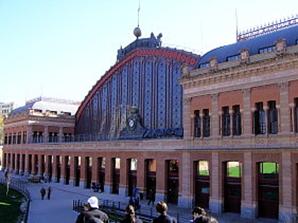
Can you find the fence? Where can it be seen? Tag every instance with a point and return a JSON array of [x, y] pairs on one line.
[[20, 186]]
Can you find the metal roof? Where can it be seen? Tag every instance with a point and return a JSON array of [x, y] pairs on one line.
[[253, 46]]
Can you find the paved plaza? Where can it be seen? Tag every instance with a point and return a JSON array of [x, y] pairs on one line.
[[59, 208]]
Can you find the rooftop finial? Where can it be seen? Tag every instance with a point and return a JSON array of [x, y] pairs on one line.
[[137, 31]]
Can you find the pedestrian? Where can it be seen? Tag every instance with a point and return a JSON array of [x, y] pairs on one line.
[[42, 193], [162, 208], [151, 197], [130, 216], [49, 191], [199, 215], [91, 213]]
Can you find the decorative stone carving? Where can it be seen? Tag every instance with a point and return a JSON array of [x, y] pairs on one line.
[[213, 64], [244, 56], [280, 46]]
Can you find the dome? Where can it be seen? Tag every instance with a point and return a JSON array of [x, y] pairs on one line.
[[137, 32]]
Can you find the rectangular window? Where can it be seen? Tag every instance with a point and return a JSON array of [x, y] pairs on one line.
[[269, 168], [24, 137], [204, 65], [225, 121], [206, 123], [203, 168], [236, 120], [272, 118], [233, 169], [268, 49], [233, 58], [197, 124], [259, 119]]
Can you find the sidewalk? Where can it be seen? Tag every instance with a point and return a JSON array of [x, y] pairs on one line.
[[59, 208]]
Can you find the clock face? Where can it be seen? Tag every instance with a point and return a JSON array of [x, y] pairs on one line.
[[131, 123]]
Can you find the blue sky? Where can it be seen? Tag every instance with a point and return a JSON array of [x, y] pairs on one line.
[[60, 48]]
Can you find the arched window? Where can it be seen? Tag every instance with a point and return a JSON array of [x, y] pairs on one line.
[[206, 123], [272, 118], [197, 124], [236, 120], [259, 116], [226, 130]]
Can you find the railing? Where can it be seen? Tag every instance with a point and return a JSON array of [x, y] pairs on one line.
[[20, 186], [116, 210]]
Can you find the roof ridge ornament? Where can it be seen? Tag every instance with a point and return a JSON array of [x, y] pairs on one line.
[[269, 28], [137, 31]]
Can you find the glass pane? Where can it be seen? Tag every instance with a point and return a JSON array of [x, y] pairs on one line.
[[269, 168], [152, 165], [205, 190], [173, 166], [133, 164], [233, 169], [203, 168], [103, 163], [117, 163]]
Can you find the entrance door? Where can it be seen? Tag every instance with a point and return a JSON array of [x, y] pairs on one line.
[[150, 178], [116, 175], [202, 183], [173, 181], [101, 173], [88, 171], [132, 176], [77, 170], [268, 189], [232, 187], [67, 169]]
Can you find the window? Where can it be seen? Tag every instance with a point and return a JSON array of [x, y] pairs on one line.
[[204, 65], [269, 168], [19, 138], [203, 168], [236, 120], [268, 49], [233, 169], [206, 123], [133, 164], [296, 115], [272, 118], [197, 124], [24, 137], [259, 119], [226, 121], [5, 139], [233, 58]]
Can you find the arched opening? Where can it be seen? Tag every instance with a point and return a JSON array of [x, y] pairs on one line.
[[132, 176], [150, 178], [18, 164], [202, 183], [232, 186], [172, 181], [268, 189], [50, 168], [115, 175], [101, 172], [77, 170], [35, 165], [67, 169], [42, 165], [88, 172], [58, 168], [30, 164]]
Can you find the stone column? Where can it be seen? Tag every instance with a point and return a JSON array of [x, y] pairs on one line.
[[123, 186], [266, 119], [187, 118], [231, 112], [248, 206], [39, 165], [220, 130], [286, 213], [284, 120], [292, 118], [54, 168], [108, 175], [215, 202], [214, 117], [192, 126], [185, 197], [21, 164], [247, 113], [71, 177], [160, 179], [60, 135], [63, 166], [29, 134], [46, 134], [83, 172], [201, 117], [26, 164]]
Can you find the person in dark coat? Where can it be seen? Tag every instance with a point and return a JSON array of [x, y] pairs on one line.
[[151, 197], [49, 191], [130, 216], [162, 208], [92, 214], [42, 193], [200, 215]]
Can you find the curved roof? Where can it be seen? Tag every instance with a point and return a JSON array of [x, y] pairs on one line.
[[47, 104], [253, 46]]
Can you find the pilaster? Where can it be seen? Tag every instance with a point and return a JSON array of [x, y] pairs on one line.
[[185, 198]]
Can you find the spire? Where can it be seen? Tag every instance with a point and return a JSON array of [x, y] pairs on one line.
[[137, 31]]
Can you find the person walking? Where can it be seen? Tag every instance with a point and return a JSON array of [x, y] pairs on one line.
[[42, 193], [162, 208], [49, 191], [199, 215], [92, 214], [130, 216], [151, 197]]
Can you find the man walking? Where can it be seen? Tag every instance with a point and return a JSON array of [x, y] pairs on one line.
[[49, 191], [42, 193]]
